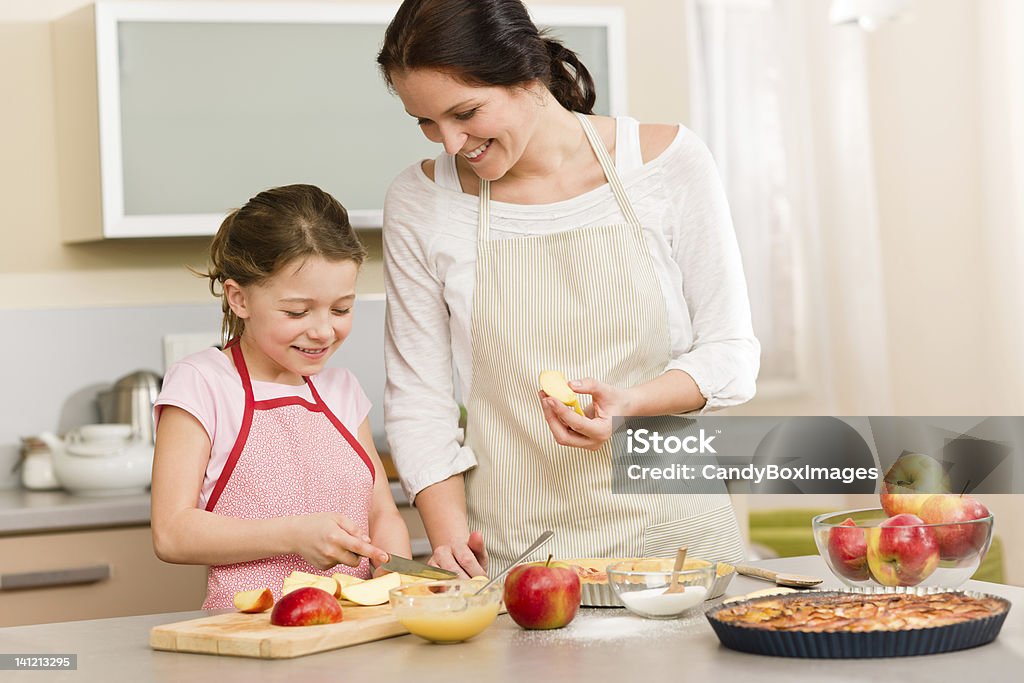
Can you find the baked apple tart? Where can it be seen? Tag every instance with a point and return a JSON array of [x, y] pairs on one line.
[[855, 624]]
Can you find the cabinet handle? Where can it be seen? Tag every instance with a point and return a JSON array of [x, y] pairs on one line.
[[54, 577]]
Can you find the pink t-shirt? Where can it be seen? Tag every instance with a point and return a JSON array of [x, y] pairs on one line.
[[207, 385]]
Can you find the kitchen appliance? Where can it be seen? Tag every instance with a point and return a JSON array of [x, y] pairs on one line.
[[101, 460], [130, 401]]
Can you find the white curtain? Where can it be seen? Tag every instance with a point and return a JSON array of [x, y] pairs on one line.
[[780, 96]]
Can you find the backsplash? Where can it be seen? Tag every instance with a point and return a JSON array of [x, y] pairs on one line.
[[57, 360]]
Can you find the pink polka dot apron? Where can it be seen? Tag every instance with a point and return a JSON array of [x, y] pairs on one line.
[[291, 457]]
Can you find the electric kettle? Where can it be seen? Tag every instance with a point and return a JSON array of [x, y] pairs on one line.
[[130, 401]]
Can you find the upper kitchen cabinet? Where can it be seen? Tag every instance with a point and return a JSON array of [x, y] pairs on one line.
[[170, 114]]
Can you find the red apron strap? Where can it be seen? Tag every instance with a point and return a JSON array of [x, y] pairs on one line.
[[243, 432], [352, 441]]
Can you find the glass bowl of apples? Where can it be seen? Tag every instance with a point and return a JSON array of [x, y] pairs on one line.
[[649, 588], [446, 611], [940, 542]]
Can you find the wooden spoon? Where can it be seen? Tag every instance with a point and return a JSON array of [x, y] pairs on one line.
[[780, 579], [673, 585]]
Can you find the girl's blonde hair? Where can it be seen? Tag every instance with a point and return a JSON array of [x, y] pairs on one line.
[[274, 228]]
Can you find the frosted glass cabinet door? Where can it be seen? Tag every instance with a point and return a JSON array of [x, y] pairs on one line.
[[202, 105], [212, 113]]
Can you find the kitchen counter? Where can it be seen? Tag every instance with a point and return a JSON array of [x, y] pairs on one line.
[[600, 645], [34, 512], [31, 512]]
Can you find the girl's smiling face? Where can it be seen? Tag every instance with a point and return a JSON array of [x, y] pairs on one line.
[[488, 126], [295, 320]]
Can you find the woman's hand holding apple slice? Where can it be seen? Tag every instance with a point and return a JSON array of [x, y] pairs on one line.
[[592, 428]]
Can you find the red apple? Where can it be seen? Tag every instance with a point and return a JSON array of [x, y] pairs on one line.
[[901, 552], [542, 595], [848, 550], [956, 541], [305, 607], [909, 482]]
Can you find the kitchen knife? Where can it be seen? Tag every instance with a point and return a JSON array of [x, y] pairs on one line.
[[414, 568]]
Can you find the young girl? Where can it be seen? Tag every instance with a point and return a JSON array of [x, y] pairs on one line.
[[264, 460]]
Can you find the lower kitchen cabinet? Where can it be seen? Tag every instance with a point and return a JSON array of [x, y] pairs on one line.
[[91, 575]]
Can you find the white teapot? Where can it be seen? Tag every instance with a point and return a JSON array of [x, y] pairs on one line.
[[101, 460]]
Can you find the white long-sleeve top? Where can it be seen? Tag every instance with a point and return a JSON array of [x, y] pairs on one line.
[[430, 229]]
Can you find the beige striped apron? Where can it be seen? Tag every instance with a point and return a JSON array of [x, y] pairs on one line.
[[586, 301]]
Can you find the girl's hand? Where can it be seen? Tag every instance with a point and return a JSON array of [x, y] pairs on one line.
[[325, 539], [595, 428], [467, 558]]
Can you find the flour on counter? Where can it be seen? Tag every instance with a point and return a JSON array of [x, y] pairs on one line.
[[607, 626]]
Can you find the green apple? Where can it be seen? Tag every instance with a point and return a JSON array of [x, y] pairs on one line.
[[909, 482]]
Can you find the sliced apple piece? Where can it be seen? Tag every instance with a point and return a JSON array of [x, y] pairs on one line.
[[407, 579], [556, 386], [346, 580], [254, 601], [372, 592], [297, 580]]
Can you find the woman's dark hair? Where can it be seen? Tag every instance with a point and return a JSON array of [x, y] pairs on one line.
[[275, 228], [484, 42]]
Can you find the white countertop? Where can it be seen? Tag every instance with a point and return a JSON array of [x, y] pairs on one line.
[[600, 645]]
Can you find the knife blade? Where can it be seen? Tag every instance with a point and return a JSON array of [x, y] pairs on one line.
[[404, 565]]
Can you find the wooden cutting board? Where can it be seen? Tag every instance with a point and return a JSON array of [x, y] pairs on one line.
[[252, 635]]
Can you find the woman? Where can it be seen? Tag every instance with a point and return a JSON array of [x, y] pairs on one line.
[[545, 237]]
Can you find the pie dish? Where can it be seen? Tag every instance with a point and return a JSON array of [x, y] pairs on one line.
[[859, 623], [596, 592]]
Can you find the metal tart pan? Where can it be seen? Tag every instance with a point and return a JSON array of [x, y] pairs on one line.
[[850, 645]]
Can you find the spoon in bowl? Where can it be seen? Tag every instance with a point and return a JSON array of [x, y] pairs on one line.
[[673, 585]]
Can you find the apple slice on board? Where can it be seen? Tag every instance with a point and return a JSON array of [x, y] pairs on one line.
[[372, 592], [555, 385], [346, 579], [254, 601], [297, 580], [407, 579]]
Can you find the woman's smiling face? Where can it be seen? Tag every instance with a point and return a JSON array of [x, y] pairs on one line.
[[488, 126]]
